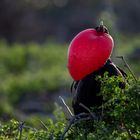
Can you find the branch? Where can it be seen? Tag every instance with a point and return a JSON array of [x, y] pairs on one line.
[[76, 119], [86, 108], [20, 128], [128, 67], [44, 124], [68, 109], [67, 128]]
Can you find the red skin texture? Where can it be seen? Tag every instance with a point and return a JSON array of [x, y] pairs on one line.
[[88, 52]]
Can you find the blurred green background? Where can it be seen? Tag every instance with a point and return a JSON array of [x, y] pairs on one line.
[[34, 38]]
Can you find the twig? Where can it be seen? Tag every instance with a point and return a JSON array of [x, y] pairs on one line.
[[43, 124], [20, 128], [83, 119], [128, 67], [76, 119], [71, 114], [67, 128], [28, 127], [72, 120], [86, 108]]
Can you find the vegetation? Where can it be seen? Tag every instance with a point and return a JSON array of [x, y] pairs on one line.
[[32, 74], [31, 69], [119, 119]]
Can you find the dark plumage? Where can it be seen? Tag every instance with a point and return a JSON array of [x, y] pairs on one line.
[[88, 88]]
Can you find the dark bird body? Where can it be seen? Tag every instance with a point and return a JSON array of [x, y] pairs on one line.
[[88, 88]]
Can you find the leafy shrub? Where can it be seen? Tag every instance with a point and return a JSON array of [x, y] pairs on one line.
[[120, 119]]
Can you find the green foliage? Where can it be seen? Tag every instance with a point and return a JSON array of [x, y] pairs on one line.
[[13, 130], [118, 117], [30, 69], [121, 109], [121, 106], [32, 62], [33, 69]]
